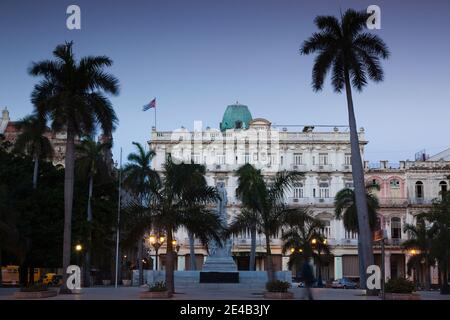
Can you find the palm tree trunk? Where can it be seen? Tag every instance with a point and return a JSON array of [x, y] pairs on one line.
[[365, 234], [68, 200], [1, 274], [140, 262], [193, 262], [35, 171], [252, 266], [87, 262], [427, 276], [269, 268], [169, 263]]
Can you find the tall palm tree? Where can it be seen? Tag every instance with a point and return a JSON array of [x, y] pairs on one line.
[[174, 205], [420, 239], [266, 209], [72, 94], [138, 177], [353, 56], [346, 209], [250, 182], [193, 181], [33, 141], [91, 163]]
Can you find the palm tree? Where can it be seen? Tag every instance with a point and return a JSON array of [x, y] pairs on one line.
[[353, 56], [138, 177], [266, 210], [175, 205], [439, 219], [249, 184], [304, 240], [72, 96], [346, 209], [193, 181], [91, 163], [420, 240], [33, 141]]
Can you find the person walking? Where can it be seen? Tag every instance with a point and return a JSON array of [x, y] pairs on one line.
[[308, 279]]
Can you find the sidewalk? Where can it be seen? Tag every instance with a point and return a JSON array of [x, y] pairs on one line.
[[132, 293]]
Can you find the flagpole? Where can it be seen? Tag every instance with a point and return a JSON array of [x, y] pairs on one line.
[[155, 117], [118, 221]]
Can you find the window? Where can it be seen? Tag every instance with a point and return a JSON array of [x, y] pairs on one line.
[[220, 159], [395, 184], [349, 184], [298, 159], [298, 190], [396, 228], [350, 235], [197, 158], [246, 158], [323, 159], [442, 187], [324, 190], [281, 160], [272, 159], [326, 229], [348, 159], [419, 190]]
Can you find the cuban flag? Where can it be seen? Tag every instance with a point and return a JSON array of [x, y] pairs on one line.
[[150, 105]]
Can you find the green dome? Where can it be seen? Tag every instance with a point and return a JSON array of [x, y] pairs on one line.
[[236, 116]]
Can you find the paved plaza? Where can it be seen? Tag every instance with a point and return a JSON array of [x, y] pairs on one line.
[[215, 292]]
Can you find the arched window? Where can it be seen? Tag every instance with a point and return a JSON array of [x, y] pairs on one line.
[[419, 190], [396, 228], [378, 223], [442, 187]]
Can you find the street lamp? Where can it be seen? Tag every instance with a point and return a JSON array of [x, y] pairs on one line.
[[78, 249], [156, 244]]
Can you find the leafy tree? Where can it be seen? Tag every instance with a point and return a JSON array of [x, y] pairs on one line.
[[352, 56], [33, 140], [72, 96]]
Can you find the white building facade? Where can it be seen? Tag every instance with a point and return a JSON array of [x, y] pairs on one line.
[[322, 154]]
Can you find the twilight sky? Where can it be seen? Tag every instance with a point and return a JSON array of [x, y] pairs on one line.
[[198, 56]]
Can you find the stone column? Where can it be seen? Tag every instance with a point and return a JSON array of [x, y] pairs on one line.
[[181, 263], [337, 267], [387, 266], [284, 263]]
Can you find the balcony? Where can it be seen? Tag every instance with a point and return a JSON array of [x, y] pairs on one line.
[[324, 167], [393, 202], [310, 200]]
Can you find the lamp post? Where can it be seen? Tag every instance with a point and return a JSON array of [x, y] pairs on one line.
[[78, 249], [156, 243]]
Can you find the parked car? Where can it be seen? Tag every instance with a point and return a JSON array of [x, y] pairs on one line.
[[52, 279], [344, 283]]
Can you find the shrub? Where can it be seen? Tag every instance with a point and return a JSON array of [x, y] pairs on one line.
[[277, 286], [35, 287], [400, 285], [158, 287]]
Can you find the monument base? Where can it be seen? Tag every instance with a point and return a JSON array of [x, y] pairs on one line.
[[219, 277]]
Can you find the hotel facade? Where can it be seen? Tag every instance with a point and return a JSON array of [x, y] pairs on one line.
[[322, 154]]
